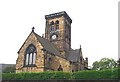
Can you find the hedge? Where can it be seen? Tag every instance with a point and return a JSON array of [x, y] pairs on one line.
[[102, 74], [87, 74]]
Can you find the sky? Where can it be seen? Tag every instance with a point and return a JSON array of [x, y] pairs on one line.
[[94, 26]]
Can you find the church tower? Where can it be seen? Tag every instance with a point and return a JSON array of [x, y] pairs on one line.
[[58, 31]]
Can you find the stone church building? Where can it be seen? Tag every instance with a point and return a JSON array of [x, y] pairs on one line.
[[52, 51]]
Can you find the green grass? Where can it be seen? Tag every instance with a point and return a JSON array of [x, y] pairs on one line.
[[86, 74]]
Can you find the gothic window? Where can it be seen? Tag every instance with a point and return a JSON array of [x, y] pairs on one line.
[[72, 70], [60, 68], [52, 26], [30, 55], [49, 59], [57, 25]]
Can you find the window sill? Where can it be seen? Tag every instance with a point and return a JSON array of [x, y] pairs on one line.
[[30, 65]]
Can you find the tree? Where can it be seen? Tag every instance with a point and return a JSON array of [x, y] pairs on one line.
[[95, 65], [104, 63]]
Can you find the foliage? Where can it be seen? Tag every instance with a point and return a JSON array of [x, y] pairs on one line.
[[95, 65], [104, 63], [87, 74], [10, 69], [94, 74], [36, 76]]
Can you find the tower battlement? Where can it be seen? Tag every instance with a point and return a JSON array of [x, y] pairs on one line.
[[54, 15]]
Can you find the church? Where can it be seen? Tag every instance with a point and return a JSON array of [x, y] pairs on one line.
[[52, 51]]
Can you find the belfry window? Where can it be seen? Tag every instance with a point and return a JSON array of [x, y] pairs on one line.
[[30, 55], [52, 26], [57, 25]]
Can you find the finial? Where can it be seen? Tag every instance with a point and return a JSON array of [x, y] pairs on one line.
[[80, 46], [86, 58], [33, 29], [42, 35]]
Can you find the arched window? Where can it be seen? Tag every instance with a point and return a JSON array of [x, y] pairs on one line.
[[30, 55], [52, 26], [60, 68], [57, 25], [72, 70]]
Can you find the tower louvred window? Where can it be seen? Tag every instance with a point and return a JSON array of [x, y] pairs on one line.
[[52, 26], [57, 25]]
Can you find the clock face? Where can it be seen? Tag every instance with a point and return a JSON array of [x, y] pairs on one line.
[[54, 36]]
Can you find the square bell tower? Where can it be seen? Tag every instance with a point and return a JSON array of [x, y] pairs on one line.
[[58, 31]]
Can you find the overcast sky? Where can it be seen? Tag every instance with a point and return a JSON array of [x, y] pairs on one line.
[[94, 26]]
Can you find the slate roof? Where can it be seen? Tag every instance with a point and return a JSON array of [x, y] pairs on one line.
[[74, 55], [48, 46]]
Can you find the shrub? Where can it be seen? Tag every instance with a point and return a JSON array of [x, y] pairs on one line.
[[86, 74]]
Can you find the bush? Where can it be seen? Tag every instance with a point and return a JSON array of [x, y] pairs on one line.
[[86, 74], [93, 74], [36, 76]]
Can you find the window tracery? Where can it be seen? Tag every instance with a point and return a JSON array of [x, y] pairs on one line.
[[30, 55]]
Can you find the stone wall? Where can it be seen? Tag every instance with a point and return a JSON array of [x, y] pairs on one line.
[[52, 62], [44, 61], [64, 63], [39, 58]]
